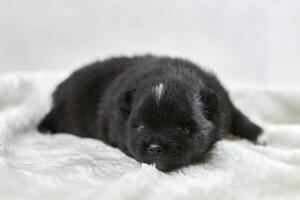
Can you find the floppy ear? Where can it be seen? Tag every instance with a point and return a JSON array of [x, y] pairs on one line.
[[125, 102], [210, 103]]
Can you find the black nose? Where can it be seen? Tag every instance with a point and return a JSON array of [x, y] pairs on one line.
[[155, 149]]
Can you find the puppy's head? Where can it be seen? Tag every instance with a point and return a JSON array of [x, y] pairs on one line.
[[169, 124]]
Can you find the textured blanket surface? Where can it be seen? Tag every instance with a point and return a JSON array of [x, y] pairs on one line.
[[37, 166]]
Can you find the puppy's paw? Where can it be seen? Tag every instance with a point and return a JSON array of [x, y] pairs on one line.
[[262, 139]]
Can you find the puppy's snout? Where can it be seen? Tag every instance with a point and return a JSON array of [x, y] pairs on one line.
[[155, 149]]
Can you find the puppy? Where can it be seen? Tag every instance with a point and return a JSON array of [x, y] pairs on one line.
[[159, 110]]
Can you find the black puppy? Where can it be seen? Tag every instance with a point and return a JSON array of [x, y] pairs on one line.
[[159, 110]]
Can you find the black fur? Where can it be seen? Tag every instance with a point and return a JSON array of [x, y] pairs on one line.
[[117, 102]]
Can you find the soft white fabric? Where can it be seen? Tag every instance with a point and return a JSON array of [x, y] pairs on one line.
[[37, 166]]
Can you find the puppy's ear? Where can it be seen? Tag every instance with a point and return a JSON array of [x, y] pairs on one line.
[[125, 102], [210, 103]]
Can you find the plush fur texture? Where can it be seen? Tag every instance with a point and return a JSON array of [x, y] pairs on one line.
[[63, 166], [160, 110]]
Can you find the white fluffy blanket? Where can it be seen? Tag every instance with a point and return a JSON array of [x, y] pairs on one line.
[[36, 166]]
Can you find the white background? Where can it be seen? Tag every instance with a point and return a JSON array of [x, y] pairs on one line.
[[243, 41]]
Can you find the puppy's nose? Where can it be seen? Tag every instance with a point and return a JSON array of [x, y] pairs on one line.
[[155, 149]]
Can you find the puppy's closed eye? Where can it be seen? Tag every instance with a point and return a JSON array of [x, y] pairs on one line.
[[184, 130]]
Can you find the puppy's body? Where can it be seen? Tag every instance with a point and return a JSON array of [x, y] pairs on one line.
[[156, 109]]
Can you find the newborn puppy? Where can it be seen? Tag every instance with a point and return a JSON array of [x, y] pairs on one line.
[[159, 110]]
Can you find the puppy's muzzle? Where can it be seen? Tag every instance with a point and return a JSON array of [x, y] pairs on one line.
[[155, 149]]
